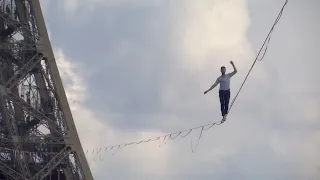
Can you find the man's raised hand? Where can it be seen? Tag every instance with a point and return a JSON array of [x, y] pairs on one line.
[[231, 62]]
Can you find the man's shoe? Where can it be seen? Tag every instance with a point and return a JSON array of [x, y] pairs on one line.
[[223, 119]]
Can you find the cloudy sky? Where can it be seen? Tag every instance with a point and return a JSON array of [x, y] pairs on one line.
[[135, 69]]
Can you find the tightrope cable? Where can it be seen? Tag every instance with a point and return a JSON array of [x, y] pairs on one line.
[[266, 42], [174, 135]]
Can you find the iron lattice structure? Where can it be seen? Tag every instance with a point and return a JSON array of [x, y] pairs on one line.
[[38, 138]]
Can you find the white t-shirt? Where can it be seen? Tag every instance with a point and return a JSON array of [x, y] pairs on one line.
[[224, 81]]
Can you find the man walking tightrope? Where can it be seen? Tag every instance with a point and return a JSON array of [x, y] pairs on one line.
[[224, 90]]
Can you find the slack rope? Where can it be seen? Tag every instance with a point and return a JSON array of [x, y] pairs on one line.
[[172, 136], [265, 44]]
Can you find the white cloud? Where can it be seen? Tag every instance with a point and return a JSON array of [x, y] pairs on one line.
[[272, 123], [207, 35], [81, 6], [94, 134], [216, 26]]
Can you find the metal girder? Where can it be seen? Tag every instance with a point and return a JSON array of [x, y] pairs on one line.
[[2, 80], [25, 15], [18, 25], [55, 161], [12, 127], [36, 140], [78, 168], [49, 97], [11, 57], [30, 152], [49, 123], [48, 105], [17, 45], [21, 73], [5, 139], [40, 140], [10, 172], [58, 86]]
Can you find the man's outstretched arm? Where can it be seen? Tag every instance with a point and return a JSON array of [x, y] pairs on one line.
[[213, 86], [234, 69]]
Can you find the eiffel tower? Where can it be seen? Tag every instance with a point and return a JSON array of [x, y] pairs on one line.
[[38, 137]]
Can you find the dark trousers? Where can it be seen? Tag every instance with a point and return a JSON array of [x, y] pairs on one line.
[[224, 96]]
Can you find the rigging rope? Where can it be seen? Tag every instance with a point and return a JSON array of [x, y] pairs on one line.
[[266, 42], [179, 133]]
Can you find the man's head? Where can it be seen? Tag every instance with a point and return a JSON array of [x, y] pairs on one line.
[[223, 70]]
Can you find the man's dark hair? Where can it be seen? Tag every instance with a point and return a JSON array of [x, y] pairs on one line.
[[222, 67]]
